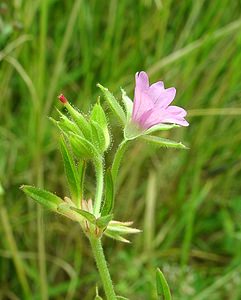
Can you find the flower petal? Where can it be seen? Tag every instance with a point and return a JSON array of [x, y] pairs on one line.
[[155, 90], [163, 116], [142, 80], [176, 110], [166, 97], [142, 103]]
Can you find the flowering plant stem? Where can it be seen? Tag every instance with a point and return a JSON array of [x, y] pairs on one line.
[[117, 159], [102, 267], [99, 169]]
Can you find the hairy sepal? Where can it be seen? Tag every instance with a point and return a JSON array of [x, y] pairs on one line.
[[161, 142], [113, 104]]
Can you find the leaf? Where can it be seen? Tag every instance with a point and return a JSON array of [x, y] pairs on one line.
[[102, 222], [121, 229], [70, 171], [43, 197], [160, 127], [87, 215], [162, 286], [121, 298], [109, 194], [128, 104], [113, 103], [115, 236], [161, 142]]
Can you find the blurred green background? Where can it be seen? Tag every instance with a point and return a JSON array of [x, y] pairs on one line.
[[188, 203]]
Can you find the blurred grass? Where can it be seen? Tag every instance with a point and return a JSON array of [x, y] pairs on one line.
[[187, 202]]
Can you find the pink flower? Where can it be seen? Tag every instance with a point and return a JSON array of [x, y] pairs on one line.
[[152, 104]]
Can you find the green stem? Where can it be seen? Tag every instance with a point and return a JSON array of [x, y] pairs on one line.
[[117, 160], [102, 268], [99, 186]]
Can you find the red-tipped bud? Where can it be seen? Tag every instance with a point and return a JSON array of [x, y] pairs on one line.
[[62, 98]]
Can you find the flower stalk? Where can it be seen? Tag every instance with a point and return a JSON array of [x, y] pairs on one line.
[[117, 159], [102, 267], [99, 169]]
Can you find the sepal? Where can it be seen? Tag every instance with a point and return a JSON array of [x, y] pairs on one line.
[[98, 117], [160, 127], [82, 148], [113, 103], [161, 142], [80, 121], [128, 104]]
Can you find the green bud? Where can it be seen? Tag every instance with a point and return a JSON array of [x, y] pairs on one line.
[[82, 148], [80, 120]]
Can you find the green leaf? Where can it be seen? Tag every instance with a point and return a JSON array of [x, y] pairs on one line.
[[122, 229], [109, 194], [121, 298], [160, 127], [99, 117], [82, 148], [162, 286], [102, 222], [43, 197], [115, 236], [161, 142], [80, 120], [113, 103], [128, 104], [71, 172], [87, 215]]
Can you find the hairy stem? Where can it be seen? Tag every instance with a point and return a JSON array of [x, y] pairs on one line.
[[117, 160], [102, 268], [99, 186]]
